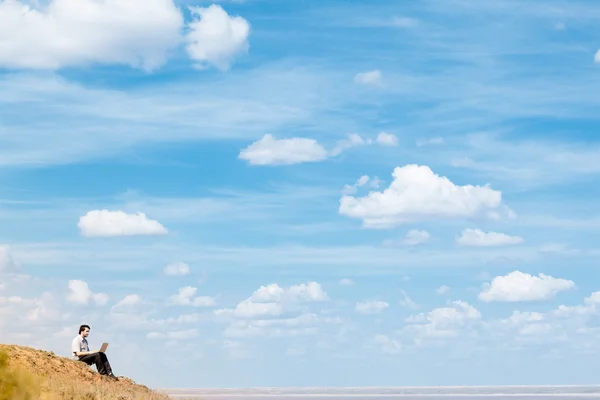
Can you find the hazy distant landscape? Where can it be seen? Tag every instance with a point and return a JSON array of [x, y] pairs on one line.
[[457, 392]]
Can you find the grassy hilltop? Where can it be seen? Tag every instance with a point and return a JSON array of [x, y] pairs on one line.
[[29, 374]]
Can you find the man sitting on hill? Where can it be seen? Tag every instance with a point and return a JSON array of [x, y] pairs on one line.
[[81, 352]]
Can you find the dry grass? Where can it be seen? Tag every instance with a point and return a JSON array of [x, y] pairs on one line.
[[29, 374]]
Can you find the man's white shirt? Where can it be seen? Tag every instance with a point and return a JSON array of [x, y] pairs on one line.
[[79, 345]]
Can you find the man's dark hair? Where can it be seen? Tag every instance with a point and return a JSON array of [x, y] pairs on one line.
[[83, 327]]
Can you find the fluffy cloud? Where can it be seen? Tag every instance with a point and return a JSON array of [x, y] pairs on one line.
[[77, 32], [7, 263], [572, 324], [127, 303], [311, 291], [250, 309], [352, 140], [442, 290], [23, 313], [597, 57], [215, 38], [406, 301], [177, 269], [362, 181], [271, 151], [118, 223], [523, 324], [476, 237], [80, 293], [588, 308], [443, 322], [520, 286], [273, 300], [387, 139], [369, 78], [417, 193], [371, 307], [187, 297], [415, 237]]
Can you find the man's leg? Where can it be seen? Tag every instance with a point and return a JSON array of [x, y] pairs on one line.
[[96, 359], [107, 367]]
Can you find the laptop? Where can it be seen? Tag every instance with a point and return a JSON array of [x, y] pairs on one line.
[[103, 348]]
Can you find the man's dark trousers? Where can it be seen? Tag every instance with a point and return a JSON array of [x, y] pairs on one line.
[[102, 364]]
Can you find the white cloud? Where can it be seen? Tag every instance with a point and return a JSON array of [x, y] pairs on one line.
[[80, 293], [587, 309], [593, 299], [250, 309], [415, 237], [520, 286], [25, 312], [78, 32], [346, 282], [523, 324], [187, 297], [459, 312], [177, 269], [7, 263], [597, 57], [406, 301], [311, 291], [129, 300], [476, 237], [418, 194], [387, 345], [268, 293], [443, 322], [273, 300], [127, 303], [431, 141], [387, 139], [305, 324], [369, 78], [362, 181], [371, 307], [352, 140], [215, 38], [271, 151], [118, 223], [442, 290]]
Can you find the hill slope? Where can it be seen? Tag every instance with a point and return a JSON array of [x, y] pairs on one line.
[[35, 374]]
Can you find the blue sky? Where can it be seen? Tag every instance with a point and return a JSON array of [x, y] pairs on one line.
[[320, 193]]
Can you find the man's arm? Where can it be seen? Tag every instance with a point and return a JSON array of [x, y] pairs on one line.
[[75, 349], [84, 353]]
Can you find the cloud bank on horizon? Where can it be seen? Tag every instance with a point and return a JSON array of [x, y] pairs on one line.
[[260, 193]]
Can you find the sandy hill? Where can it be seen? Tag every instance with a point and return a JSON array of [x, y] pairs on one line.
[[29, 374]]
